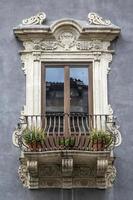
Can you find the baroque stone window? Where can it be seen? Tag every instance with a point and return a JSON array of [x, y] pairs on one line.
[[66, 64]]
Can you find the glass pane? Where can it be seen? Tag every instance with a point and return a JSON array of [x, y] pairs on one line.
[[54, 89], [79, 89]]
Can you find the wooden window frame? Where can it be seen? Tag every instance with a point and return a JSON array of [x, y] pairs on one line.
[[66, 89]]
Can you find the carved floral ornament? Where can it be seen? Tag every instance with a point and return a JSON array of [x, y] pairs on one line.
[[68, 42]]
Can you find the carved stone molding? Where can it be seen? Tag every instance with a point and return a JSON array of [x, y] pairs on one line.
[[36, 56], [28, 45], [89, 45], [22, 172], [92, 170], [37, 19], [110, 176], [24, 59], [50, 170], [71, 44], [45, 45], [94, 18]]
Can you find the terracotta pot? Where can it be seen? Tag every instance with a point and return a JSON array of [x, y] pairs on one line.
[[38, 146], [30, 147], [34, 146], [95, 146], [99, 145], [103, 145]]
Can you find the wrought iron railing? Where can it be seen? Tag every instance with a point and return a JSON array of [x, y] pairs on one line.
[[60, 127], [54, 123]]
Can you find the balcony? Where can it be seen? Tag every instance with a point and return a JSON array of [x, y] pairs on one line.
[[60, 164], [58, 127]]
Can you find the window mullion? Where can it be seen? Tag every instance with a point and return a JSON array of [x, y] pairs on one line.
[[66, 98]]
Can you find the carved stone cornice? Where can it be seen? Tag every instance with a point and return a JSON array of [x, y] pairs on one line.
[[66, 30]]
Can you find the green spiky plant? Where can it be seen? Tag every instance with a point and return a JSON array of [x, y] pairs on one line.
[[66, 143], [34, 138], [100, 140]]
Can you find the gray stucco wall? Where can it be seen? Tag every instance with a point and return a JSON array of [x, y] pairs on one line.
[[12, 97]]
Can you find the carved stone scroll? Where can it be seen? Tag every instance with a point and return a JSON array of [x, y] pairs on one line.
[[94, 18], [37, 19], [102, 165]]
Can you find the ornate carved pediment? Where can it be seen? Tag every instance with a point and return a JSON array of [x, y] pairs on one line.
[[67, 31]]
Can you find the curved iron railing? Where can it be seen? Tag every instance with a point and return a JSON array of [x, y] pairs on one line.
[[78, 129]]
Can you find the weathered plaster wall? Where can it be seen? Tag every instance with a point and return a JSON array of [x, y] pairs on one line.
[[12, 88]]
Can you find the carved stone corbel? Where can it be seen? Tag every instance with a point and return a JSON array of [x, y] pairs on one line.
[[67, 169], [67, 166], [102, 165], [32, 169]]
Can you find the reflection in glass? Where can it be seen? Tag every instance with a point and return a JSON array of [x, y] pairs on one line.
[[79, 90], [54, 89]]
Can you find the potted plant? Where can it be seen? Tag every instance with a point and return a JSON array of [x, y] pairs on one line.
[[100, 140], [66, 143], [34, 138]]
